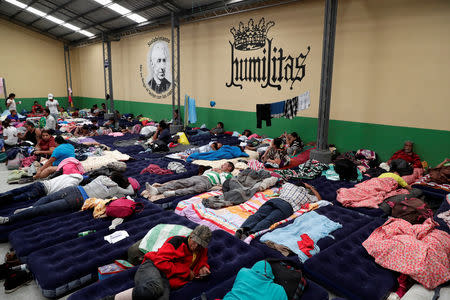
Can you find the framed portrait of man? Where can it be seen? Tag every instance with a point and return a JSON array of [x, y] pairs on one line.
[[159, 78]]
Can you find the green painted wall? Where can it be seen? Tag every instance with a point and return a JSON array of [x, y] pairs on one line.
[[432, 145]]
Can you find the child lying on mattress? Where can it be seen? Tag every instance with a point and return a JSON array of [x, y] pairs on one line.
[[291, 199], [179, 260], [72, 198]]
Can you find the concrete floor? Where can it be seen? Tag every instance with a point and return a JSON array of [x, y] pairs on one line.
[[27, 292]]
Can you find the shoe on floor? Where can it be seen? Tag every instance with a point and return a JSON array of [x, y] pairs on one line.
[[4, 270], [16, 279], [4, 220]]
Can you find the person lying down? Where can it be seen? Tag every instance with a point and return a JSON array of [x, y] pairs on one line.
[[291, 199], [192, 185], [72, 198]]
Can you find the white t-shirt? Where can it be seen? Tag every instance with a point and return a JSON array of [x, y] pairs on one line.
[[58, 183], [12, 105], [52, 106], [50, 123], [11, 134]]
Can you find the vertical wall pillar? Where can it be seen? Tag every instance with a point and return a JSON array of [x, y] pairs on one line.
[[107, 74], [322, 153], [68, 70], [176, 125]]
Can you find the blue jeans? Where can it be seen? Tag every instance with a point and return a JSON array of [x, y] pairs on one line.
[[270, 212], [67, 199], [28, 192]]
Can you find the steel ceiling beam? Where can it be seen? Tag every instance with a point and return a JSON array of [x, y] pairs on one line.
[[22, 9], [56, 9], [33, 28], [68, 14], [150, 6], [78, 16], [186, 15]]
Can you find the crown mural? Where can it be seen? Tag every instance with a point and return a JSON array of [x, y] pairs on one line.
[[251, 37]]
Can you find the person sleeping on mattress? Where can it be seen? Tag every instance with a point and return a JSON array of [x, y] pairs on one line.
[[192, 185], [72, 198], [276, 156], [291, 199], [179, 260]]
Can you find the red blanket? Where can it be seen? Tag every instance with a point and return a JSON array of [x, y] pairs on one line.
[[369, 193]]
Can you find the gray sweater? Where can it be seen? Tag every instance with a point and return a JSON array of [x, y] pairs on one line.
[[103, 187]]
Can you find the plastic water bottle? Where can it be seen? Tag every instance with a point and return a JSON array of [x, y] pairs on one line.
[[84, 233]]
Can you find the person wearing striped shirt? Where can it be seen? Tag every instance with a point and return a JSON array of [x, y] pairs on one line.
[[193, 185]]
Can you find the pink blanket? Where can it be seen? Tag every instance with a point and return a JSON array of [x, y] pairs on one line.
[[420, 251], [369, 193]]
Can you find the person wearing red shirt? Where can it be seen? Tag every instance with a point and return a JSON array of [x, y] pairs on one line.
[[37, 108], [407, 155], [46, 144], [179, 260]]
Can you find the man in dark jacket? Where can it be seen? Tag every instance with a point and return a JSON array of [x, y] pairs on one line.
[[179, 260]]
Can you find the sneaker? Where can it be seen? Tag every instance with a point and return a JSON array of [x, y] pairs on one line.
[[4, 270], [16, 279], [4, 220]]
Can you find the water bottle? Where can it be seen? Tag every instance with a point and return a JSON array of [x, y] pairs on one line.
[[84, 233]]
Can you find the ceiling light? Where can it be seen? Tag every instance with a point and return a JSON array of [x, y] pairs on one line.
[[122, 10], [103, 2], [86, 33], [70, 26], [119, 8], [35, 11], [17, 3], [54, 20], [137, 18]]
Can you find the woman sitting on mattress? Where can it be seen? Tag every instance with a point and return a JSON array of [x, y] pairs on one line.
[[179, 260], [275, 156], [72, 198], [291, 199]]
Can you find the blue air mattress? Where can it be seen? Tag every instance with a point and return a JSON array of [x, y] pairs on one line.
[[57, 230], [66, 266], [347, 269], [226, 256]]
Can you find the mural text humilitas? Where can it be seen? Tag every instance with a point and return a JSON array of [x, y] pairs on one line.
[[272, 68]]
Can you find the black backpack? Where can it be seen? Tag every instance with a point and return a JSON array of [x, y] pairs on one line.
[[346, 169], [289, 277]]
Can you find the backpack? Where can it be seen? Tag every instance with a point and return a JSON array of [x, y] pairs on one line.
[[346, 169], [413, 210], [289, 277], [159, 146], [123, 207], [16, 162]]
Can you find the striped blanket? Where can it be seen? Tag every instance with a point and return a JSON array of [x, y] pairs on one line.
[[228, 219], [157, 236], [425, 181]]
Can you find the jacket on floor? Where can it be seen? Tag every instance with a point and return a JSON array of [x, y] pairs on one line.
[[175, 259]]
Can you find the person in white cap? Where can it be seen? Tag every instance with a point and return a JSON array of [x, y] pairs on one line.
[[53, 105]]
